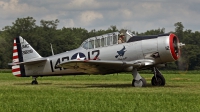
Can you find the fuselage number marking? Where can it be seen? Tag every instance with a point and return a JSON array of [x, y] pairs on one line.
[[64, 59]]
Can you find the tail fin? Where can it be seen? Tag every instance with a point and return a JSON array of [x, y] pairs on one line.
[[25, 50], [22, 52]]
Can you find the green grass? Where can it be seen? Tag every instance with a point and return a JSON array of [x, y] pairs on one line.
[[109, 93]]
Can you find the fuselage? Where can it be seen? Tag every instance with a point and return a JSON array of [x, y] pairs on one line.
[[159, 48]]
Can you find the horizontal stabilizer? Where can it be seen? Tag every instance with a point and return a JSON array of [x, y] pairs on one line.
[[29, 62]]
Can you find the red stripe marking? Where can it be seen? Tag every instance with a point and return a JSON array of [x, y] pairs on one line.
[[86, 60], [15, 57], [171, 37], [14, 50], [19, 75], [16, 70], [15, 44], [95, 58]]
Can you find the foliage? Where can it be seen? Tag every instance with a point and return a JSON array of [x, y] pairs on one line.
[[153, 32], [65, 39]]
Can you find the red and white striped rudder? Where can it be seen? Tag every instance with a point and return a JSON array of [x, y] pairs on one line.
[[16, 68]]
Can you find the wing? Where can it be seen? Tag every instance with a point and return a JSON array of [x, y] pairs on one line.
[[103, 67]]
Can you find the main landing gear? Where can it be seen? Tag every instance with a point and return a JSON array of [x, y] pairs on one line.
[[157, 79], [138, 81], [34, 82]]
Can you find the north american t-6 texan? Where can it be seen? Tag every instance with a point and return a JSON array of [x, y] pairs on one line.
[[105, 54]]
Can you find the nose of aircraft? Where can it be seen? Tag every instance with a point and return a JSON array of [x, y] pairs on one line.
[[175, 46]]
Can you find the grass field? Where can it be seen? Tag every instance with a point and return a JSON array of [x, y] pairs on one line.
[[109, 93]]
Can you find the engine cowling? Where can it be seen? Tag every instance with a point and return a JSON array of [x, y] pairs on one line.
[[168, 48]]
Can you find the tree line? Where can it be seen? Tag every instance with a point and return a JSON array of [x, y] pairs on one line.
[[65, 39]]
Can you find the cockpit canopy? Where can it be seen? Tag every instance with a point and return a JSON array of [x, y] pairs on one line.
[[104, 40]]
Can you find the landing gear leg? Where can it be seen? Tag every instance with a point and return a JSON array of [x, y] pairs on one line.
[[34, 81], [138, 81], [157, 79]]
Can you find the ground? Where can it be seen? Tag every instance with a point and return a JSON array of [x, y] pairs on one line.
[[98, 93]]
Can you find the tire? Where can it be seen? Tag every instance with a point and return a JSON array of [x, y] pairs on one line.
[[141, 83], [34, 82], [159, 82]]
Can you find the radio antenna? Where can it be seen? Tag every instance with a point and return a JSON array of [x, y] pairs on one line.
[[52, 49]]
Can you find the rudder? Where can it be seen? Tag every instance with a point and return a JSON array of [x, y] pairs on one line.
[[22, 52]]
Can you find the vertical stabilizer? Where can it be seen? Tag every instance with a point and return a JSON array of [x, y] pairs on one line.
[[26, 50], [22, 52]]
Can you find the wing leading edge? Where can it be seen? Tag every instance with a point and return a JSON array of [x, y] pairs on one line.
[[103, 67]]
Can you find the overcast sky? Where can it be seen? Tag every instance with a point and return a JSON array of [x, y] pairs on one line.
[[135, 15]]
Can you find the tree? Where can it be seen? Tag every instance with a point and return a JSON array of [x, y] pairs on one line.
[[66, 39], [21, 27], [190, 52], [153, 32], [4, 54], [112, 28], [179, 30], [44, 35]]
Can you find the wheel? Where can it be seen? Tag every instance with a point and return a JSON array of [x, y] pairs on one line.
[[34, 82], [139, 83], [159, 82]]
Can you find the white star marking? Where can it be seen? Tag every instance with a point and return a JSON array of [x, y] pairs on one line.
[[78, 57]]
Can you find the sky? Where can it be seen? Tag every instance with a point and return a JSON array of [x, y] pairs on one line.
[[135, 15]]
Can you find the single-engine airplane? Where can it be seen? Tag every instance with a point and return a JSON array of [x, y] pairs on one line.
[[101, 55]]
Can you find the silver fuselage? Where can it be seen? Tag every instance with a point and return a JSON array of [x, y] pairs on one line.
[[157, 49]]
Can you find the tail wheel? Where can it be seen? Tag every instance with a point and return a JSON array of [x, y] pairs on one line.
[[34, 82], [159, 80]]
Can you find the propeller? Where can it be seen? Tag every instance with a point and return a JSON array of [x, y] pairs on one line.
[[182, 63], [175, 46]]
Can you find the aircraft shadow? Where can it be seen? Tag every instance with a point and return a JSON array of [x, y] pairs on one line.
[[108, 85], [115, 86], [123, 86], [32, 84], [98, 85]]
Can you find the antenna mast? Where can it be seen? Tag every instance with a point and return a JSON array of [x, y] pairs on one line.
[[52, 49]]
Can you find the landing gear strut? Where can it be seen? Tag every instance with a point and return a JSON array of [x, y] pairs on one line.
[[157, 79], [34, 81], [138, 81]]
